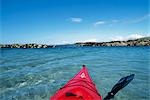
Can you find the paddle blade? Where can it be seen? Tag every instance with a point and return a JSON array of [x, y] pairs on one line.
[[121, 84]]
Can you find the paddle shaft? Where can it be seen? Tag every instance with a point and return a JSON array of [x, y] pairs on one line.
[[119, 85]]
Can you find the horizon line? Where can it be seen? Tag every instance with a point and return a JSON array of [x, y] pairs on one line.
[[68, 43]]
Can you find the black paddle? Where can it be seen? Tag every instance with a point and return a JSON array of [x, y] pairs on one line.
[[121, 84]]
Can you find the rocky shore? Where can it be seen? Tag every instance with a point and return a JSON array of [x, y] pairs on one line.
[[26, 46], [137, 42]]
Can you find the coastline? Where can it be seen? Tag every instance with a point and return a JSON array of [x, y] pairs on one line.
[[137, 42], [24, 46]]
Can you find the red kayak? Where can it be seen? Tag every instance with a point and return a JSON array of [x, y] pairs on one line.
[[80, 87]]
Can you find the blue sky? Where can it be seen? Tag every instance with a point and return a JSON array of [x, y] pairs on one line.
[[69, 21]]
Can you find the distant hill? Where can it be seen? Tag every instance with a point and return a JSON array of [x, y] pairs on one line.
[[137, 42], [144, 38]]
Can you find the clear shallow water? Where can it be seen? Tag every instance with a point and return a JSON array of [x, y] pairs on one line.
[[36, 74]]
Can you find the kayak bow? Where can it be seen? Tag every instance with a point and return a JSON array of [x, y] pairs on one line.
[[80, 87]]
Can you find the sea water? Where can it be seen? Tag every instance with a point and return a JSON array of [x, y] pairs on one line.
[[36, 74]]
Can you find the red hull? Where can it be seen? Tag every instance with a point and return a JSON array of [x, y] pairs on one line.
[[80, 87]]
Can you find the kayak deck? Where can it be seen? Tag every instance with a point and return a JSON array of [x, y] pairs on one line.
[[80, 87]]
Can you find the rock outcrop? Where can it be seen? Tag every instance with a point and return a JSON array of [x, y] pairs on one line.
[[137, 42], [25, 46]]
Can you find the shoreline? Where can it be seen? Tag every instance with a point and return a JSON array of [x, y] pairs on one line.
[[137, 42]]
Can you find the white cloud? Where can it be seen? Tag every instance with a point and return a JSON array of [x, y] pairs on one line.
[[104, 22], [76, 20], [118, 38], [88, 40], [130, 37], [135, 36], [74, 41], [140, 19], [91, 40], [99, 23]]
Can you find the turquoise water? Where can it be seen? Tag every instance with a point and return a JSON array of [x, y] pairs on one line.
[[36, 74]]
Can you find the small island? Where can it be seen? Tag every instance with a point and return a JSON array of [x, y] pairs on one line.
[[137, 42]]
